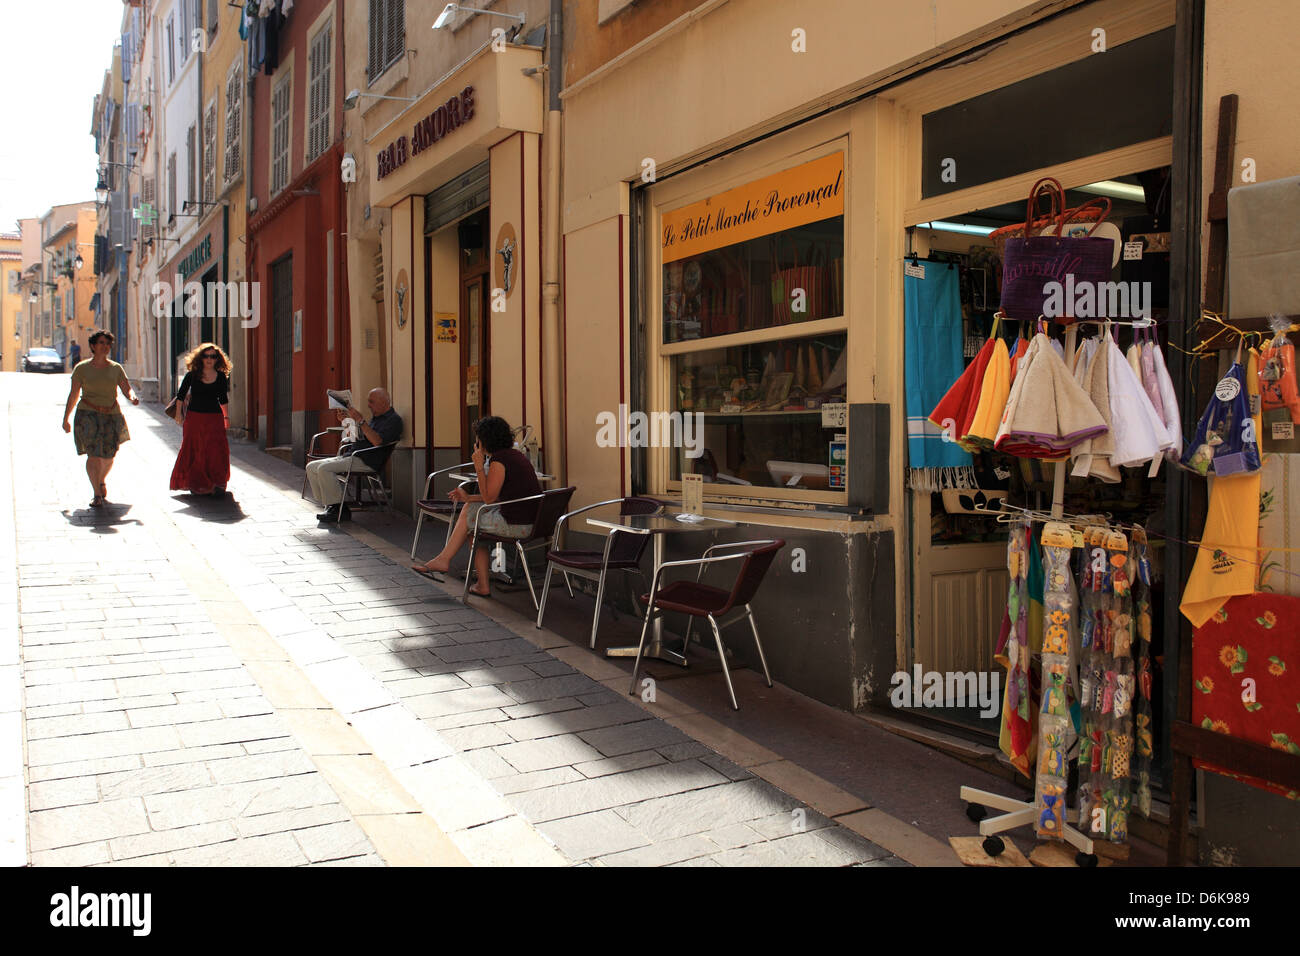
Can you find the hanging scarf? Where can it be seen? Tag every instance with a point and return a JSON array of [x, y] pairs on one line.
[[933, 360]]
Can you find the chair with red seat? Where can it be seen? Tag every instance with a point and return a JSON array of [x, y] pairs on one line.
[[622, 552], [722, 608], [550, 508], [442, 508]]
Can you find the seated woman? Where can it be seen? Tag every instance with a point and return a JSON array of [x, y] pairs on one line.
[[504, 474]]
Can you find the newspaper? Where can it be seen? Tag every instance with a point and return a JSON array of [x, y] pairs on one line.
[[339, 398]]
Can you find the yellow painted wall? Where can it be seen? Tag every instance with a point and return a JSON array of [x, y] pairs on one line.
[[11, 303], [592, 324], [516, 332], [401, 342], [447, 395], [1250, 50]]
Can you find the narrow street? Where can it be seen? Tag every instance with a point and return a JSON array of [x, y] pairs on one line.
[[200, 682]]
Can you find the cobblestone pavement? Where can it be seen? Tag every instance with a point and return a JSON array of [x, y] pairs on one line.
[[210, 682]]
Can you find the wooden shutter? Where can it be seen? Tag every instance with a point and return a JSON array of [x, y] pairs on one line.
[[394, 30], [375, 49], [171, 187], [234, 122], [210, 153], [318, 94]]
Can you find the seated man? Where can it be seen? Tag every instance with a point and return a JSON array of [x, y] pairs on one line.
[[384, 427]]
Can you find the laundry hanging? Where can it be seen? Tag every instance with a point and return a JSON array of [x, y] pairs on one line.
[[933, 359]]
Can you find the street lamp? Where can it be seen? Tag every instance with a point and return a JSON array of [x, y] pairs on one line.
[[101, 190], [451, 9]]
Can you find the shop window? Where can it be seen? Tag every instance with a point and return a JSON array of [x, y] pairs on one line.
[[318, 93], [1073, 110], [792, 276], [760, 407], [387, 35]]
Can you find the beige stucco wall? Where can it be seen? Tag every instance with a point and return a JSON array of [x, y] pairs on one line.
[[1250, 50]]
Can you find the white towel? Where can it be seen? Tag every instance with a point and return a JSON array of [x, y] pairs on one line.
[[1169, 401], [1140, 435]]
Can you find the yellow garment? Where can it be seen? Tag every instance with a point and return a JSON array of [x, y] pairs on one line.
[[1226, 564], [98, 385], [993, 400]]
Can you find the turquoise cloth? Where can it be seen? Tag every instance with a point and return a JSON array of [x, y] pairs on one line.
[[933, 362]]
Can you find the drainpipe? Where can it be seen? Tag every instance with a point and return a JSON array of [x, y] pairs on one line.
[[552, 360]]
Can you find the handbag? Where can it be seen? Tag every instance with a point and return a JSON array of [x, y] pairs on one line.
[[1030, 263], [175, 410]]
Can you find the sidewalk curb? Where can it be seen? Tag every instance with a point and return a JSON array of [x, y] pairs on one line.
[[13, 746]]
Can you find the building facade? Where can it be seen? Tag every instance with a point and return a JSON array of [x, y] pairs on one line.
[[295, 226], [11, 301], [446, 225]]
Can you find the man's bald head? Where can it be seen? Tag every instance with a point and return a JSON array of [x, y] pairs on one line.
[[379, 401]]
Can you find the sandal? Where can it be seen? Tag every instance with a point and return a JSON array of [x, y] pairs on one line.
[[103, 493], [424, 572], [98, 501]]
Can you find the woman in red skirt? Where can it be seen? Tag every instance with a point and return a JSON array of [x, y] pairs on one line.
[[203, 465]]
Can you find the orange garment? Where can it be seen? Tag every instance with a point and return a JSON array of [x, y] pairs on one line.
[[1022, 346], [992, 401], [1226, 561]]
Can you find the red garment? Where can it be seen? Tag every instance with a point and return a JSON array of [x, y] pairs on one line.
[[204, 459], [1255, 637], [1022, 346], [961, 401]]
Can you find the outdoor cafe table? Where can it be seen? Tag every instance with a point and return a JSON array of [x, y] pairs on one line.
[[659, 526]]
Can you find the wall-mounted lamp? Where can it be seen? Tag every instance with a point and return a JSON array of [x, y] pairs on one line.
[[451, 9], [350, 101], [101, 191]]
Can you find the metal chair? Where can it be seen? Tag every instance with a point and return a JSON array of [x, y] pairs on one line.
[[722, 608], [374, 477], [622, 552], [550, 508], [441, 508], [312, 454]]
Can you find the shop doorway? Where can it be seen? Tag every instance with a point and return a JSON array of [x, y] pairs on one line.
[[959, 575], [475, 353], [282, 345]]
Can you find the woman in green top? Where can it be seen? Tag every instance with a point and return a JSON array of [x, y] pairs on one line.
[[100, 427]]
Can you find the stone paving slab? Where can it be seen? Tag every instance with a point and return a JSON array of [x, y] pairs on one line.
[[326, 706]]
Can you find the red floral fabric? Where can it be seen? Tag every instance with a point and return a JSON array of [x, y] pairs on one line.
[[1246, 676]]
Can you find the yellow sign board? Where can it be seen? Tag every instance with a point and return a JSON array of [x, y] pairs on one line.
[[792, 197]]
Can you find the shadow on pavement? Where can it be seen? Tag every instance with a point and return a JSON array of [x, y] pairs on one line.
[[101, 520], [222, 510]]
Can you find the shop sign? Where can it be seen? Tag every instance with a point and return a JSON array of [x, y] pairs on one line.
[[451, 115], [197, 257], [793, 197]]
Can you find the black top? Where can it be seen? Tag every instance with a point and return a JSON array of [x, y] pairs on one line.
[[520, 482], [207, 396], [389, 427]]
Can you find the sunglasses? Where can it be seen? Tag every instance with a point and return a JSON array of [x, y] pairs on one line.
[[211, 355]]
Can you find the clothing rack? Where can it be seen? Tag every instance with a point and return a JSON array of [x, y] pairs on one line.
[[1018, 813]]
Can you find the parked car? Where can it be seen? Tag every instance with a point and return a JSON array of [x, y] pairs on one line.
[[42, 360]]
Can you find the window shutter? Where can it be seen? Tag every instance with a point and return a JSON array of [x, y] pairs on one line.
[[395, 30], [213, 15], [149, 195], [171, 187], [318, 95], [234, 121], [375, 39], [126, 57], [210, 153]]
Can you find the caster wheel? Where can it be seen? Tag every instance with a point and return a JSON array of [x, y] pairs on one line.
[[993, 845], [1085, 859], [976, 812]]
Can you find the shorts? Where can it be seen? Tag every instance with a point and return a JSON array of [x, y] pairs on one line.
[[99, 434], [494, 523]]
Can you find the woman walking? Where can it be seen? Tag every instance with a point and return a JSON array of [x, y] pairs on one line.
[[504, 474], [99, 427], [203, 464]]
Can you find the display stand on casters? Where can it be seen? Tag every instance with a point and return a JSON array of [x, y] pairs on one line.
[[1020, 812]]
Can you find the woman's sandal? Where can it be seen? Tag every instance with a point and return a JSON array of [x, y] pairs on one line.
[[103, 493], [424, 572], [98, 501]]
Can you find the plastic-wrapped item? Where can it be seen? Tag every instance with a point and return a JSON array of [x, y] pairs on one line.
[[1054, 722], [1143, 745], [1225, 440], [1277, 379]]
